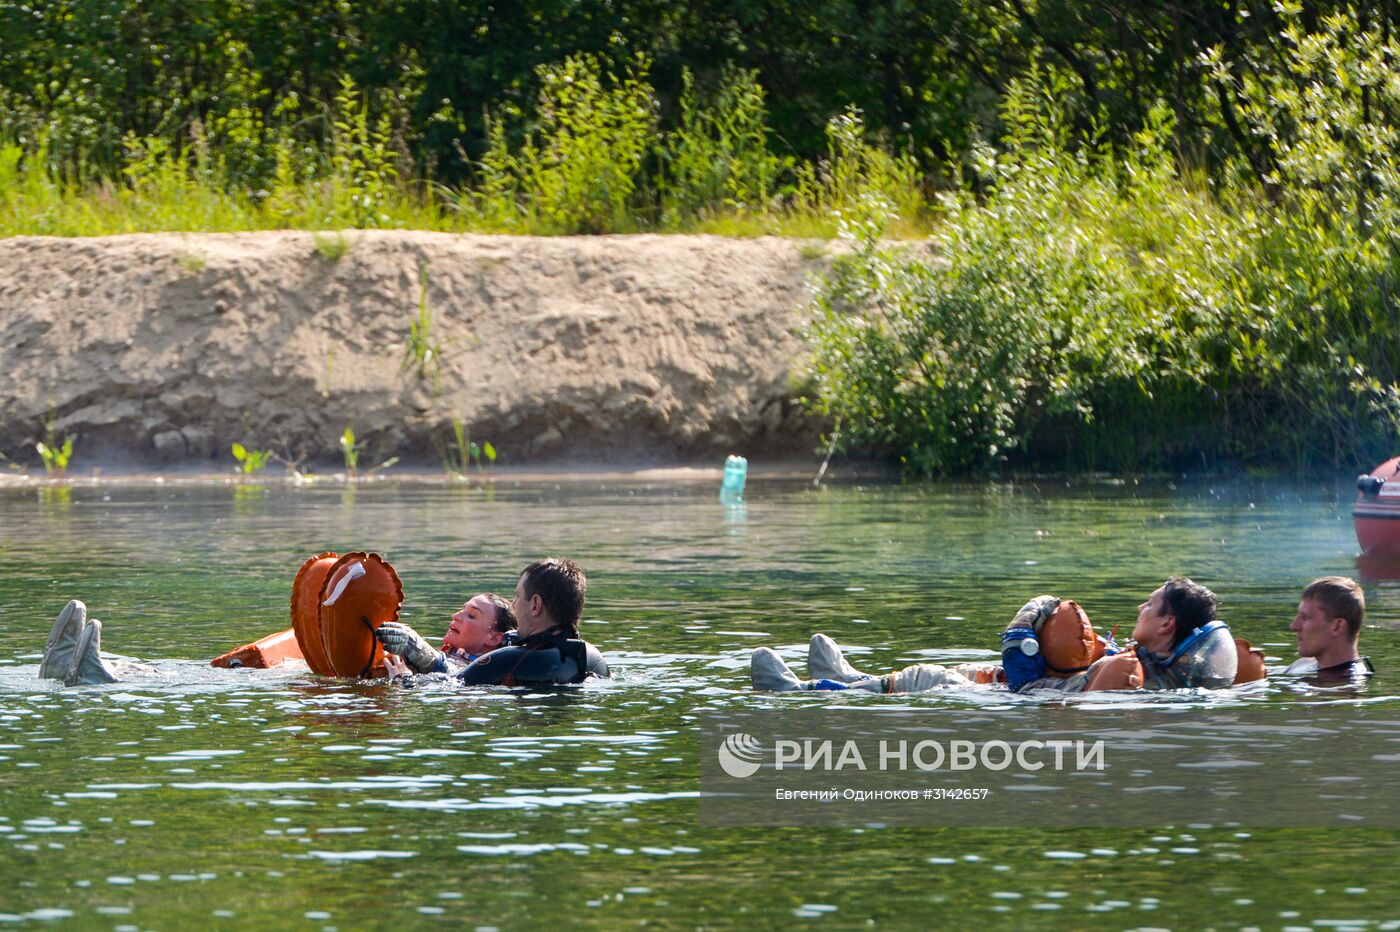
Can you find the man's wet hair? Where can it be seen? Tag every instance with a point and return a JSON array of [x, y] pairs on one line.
[[561, 586], [1192, 604], [1340, 597], [505, 616]]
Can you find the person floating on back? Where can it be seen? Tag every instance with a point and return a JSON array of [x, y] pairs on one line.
[[483, 623], [73, 652], [1177, 644], [548, 606]]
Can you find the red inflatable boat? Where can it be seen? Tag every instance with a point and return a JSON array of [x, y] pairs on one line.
[[1377, 510]]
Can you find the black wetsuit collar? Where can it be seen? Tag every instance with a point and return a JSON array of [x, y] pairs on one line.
[[1349, 668], [550, 637]]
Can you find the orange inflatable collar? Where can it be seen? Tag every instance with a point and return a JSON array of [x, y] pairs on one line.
[[360, 593], [337, 602]]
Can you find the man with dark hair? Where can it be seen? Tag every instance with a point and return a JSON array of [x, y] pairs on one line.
[[548, 606], [1328, 628], [561, 589], [1193, 606], [1179, 642]]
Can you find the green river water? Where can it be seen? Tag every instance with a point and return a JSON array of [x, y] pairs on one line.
[[197, 797]]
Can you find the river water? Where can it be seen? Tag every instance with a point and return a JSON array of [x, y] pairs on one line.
[[196, 795]]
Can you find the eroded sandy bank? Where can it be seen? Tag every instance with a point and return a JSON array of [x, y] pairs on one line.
[[167, 348]]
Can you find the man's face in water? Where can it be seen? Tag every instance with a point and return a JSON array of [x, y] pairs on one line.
[[1154, 628], [473, 628], [1315, 631]]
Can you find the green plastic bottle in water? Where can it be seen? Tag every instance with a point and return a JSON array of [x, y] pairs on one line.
[[736, 470]]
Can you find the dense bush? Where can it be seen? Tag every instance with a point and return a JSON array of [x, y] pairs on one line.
[[1096, 308]]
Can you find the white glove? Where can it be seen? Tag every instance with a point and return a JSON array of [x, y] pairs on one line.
[[400, 639]]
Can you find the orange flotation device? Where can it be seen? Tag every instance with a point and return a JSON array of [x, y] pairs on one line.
[[337, 602], [361, 592], [306, 615], [1068, 642], [263, 653], [1251, 666]]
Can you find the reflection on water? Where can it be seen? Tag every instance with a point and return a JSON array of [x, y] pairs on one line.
[[277, 796]]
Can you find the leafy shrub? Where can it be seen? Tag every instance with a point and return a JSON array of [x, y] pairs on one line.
[[578, 166], [853, 170], [717, 158], [250, 461], [1093, 309]]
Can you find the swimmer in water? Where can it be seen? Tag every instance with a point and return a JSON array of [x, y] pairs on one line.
[[546, 649], [548, 605], [485, 622], [1328, 628], [73, 652], [1176, 640]]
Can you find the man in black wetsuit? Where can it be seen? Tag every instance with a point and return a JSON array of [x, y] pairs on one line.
[[1328, 627], [548, 605]]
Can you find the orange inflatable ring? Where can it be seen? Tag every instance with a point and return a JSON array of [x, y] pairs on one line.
[[1121, 671], [306, 615], [1068, 642], [361, 592], [1251, 666]]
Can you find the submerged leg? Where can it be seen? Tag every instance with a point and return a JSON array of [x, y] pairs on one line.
[[61, 650], [90, 668], [922, 677]]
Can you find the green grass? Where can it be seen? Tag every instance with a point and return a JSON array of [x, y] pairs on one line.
[[589, 158]]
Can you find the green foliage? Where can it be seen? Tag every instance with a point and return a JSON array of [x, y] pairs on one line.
[[453, 451], [350, 450], [717, 159], [332, 246], [458, 452], [55, 455], [250, 461], [587, 157], [1093, 309], [362, 161], [855, 171], [578, 167]]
